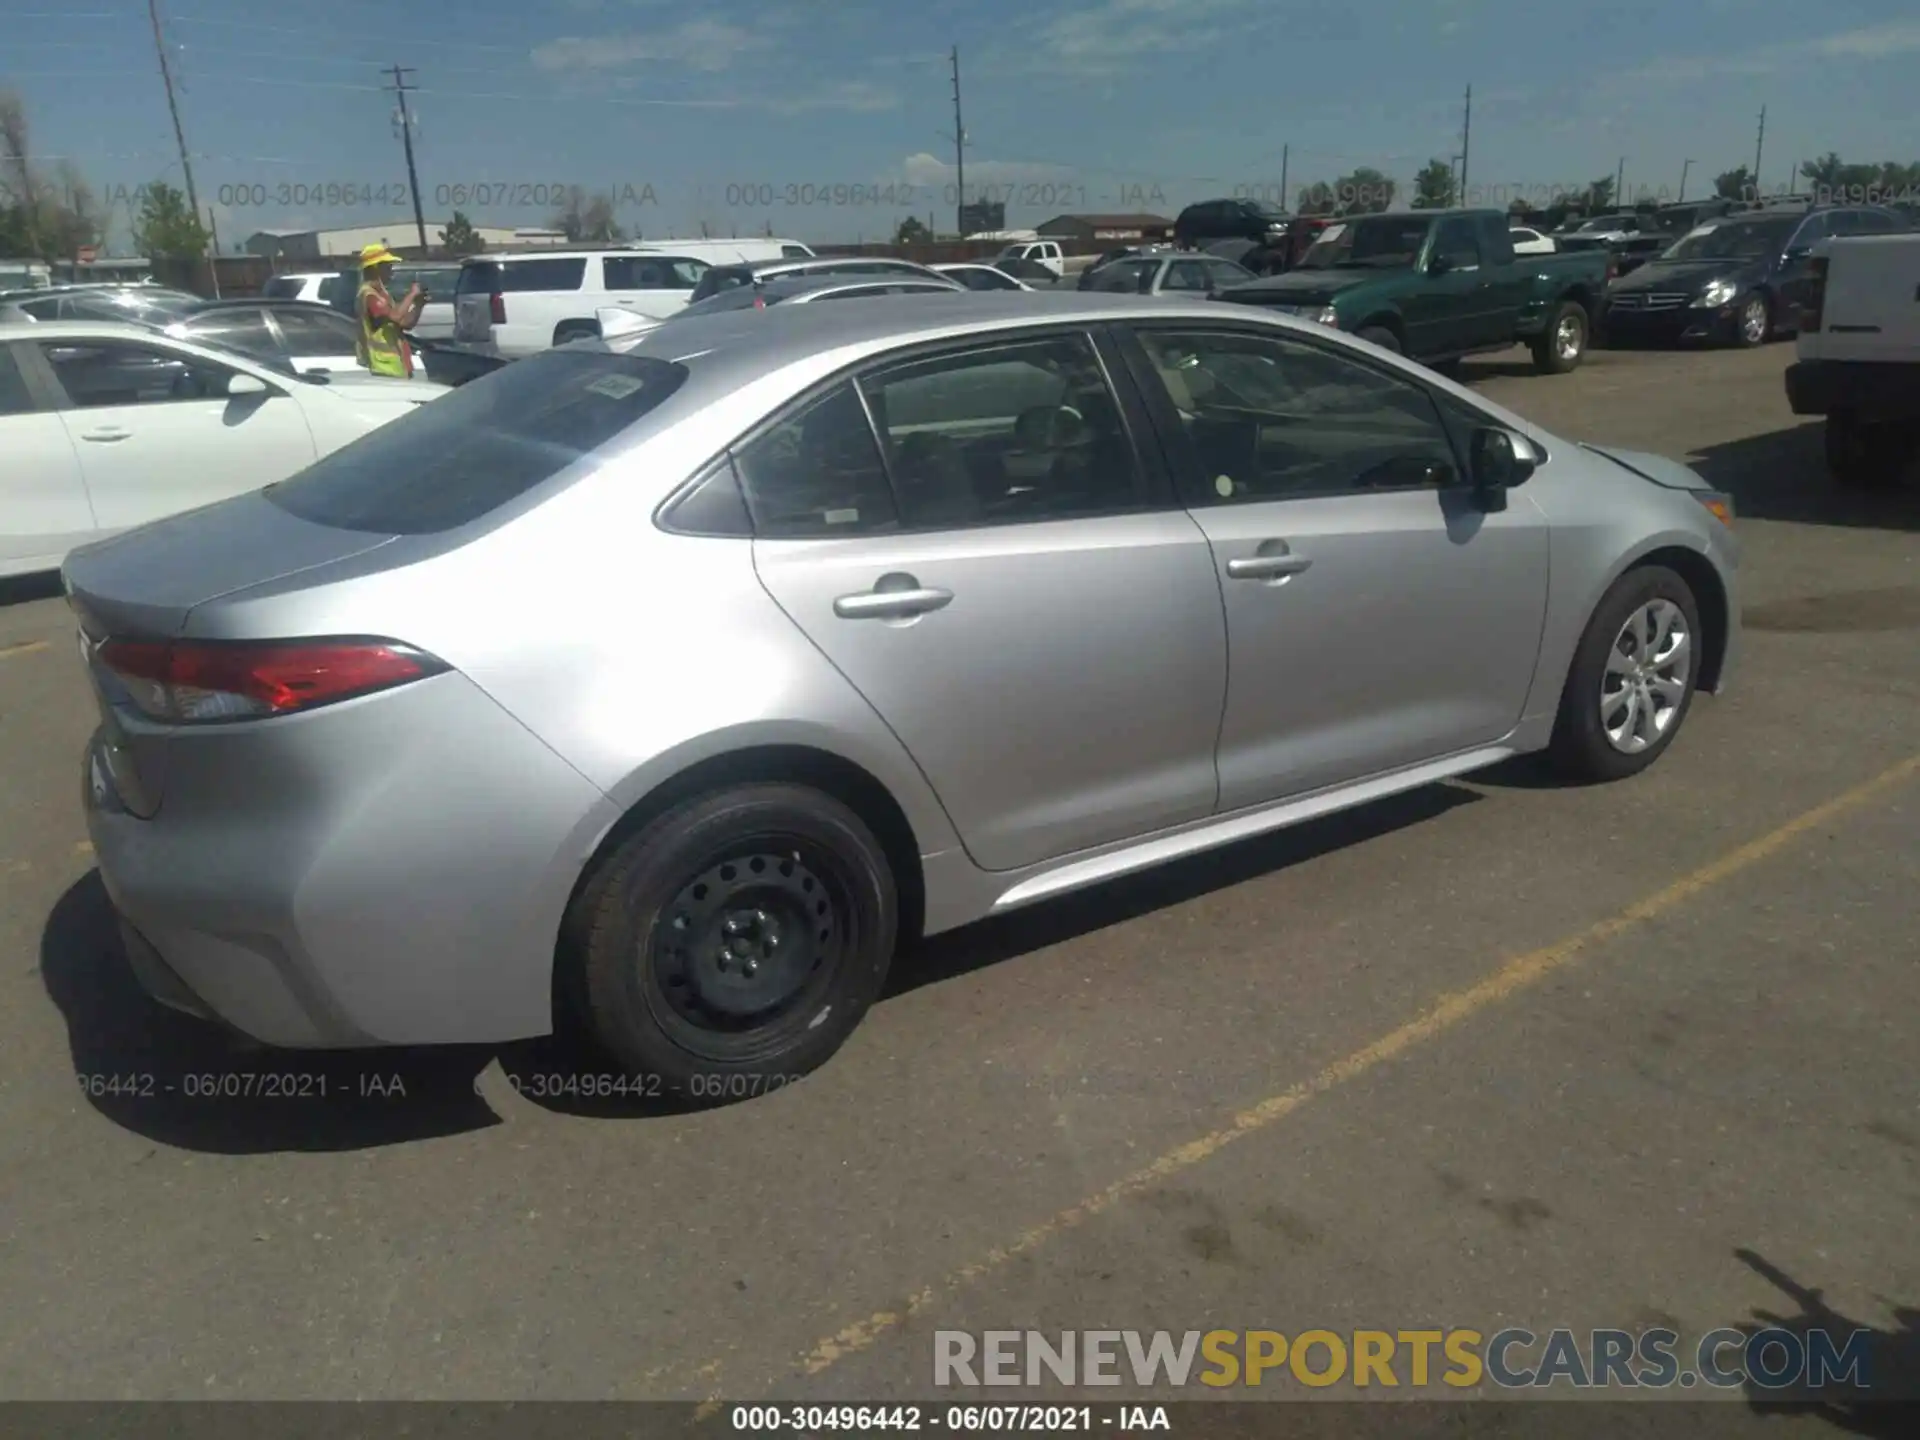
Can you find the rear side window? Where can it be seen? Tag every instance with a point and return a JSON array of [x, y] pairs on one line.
[[817, 474], [282, 287], [453, 461], [544, 274]]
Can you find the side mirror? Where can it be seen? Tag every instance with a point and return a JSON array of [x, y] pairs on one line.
[[1501, 460], [614, 321], [241, 387], [1439, 265]]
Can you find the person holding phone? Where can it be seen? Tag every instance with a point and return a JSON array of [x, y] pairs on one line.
[[384, 322]]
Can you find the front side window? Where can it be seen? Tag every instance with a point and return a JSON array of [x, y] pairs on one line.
[[817, 474], [1007, 435], [99, 373], [1269, 418]]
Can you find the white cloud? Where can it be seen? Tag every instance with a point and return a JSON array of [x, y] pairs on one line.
[[707, 45], [928, 171], [1873, 41], [1110, 38]]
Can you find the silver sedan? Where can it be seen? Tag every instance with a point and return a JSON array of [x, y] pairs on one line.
[[683, 679]]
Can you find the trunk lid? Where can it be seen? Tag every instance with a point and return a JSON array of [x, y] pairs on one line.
[[146, 584]]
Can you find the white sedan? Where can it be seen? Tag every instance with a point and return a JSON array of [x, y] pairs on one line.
[[104, 427]]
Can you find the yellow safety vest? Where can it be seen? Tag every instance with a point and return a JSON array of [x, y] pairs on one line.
[[379, 348]]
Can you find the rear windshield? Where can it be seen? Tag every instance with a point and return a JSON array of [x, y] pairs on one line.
[[513, 276], [463, 455]]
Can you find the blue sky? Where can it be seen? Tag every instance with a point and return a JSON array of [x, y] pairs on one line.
[[710, 112]]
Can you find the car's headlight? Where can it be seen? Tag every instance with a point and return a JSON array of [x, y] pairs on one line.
[[1717, 293], [1325, 315]]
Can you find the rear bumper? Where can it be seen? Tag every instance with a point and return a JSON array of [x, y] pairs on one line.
[[388, 871], [1872, 391]]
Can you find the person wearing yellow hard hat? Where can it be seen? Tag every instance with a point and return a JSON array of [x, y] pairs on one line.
[[384, 322]]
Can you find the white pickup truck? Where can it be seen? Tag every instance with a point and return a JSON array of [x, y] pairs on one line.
[[1858, 361]]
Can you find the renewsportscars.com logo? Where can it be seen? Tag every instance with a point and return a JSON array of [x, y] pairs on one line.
[[1513, 1359]]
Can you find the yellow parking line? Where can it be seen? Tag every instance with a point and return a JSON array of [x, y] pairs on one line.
[[1510, 979], [23, 647]]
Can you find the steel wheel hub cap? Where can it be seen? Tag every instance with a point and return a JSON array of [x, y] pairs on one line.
[[743, 938], [1646, 676], [1567, 338]]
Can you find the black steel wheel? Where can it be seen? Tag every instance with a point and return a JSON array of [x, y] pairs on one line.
[[734, 942]]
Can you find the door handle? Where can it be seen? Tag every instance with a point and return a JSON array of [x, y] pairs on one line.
[[1266, 567], [106, 434], [891, 604]]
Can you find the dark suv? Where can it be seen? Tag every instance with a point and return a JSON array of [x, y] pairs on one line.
[[1210, 220]]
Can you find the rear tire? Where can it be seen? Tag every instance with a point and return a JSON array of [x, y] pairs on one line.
[[1562, 344], [732, 944], [1632, 680], [1381, 336], [1865, 456]]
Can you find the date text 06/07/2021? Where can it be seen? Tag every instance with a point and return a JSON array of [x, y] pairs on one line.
[[956, 1419]]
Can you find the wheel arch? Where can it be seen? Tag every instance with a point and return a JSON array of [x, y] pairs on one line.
[[1709, 594], [1384, 320], [847, 781], [575, 329]]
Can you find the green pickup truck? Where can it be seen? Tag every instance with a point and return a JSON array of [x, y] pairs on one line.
[[1438, 284]]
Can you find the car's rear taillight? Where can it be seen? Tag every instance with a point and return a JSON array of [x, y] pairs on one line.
[[192, 682], [497, 308], [1814, 311]]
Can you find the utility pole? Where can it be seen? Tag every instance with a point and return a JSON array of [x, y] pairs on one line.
[[1684, 167], [1759, 141], [1466, 148], [173, 105], [959, 154], [1619, 184], [406, 137], [1285, 153]]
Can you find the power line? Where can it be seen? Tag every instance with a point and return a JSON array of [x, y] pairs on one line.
[[439, 44]]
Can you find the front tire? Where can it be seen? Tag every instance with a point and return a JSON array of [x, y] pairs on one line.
[[1632, 680], [1562, 344], [1383, 337], [733, 943]]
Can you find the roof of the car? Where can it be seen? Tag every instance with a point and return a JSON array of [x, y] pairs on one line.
[[84, 330], [819, 262], [258, 302], [736, 347]]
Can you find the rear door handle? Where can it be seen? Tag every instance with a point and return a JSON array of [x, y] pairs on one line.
[[105, 434], [1266, 567], [891, 604]]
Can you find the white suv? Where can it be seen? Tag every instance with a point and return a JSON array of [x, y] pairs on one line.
[[524, 304], [1041, 252]]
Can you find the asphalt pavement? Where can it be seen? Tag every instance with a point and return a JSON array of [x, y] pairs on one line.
[[1494, 1053]]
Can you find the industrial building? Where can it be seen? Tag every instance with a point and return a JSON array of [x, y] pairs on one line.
[[401, 235]]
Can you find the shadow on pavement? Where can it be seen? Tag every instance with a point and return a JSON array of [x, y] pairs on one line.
[[195, 1085], [988, 942], [1885, 1402], [19, 589], [1782, 475]]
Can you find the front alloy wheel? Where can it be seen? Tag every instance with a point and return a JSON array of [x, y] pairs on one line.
[[1645, 684], [1756, 321]]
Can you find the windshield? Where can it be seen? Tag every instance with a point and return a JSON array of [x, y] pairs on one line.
[[1737, 239], [1609, 222], [1384, 243]]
